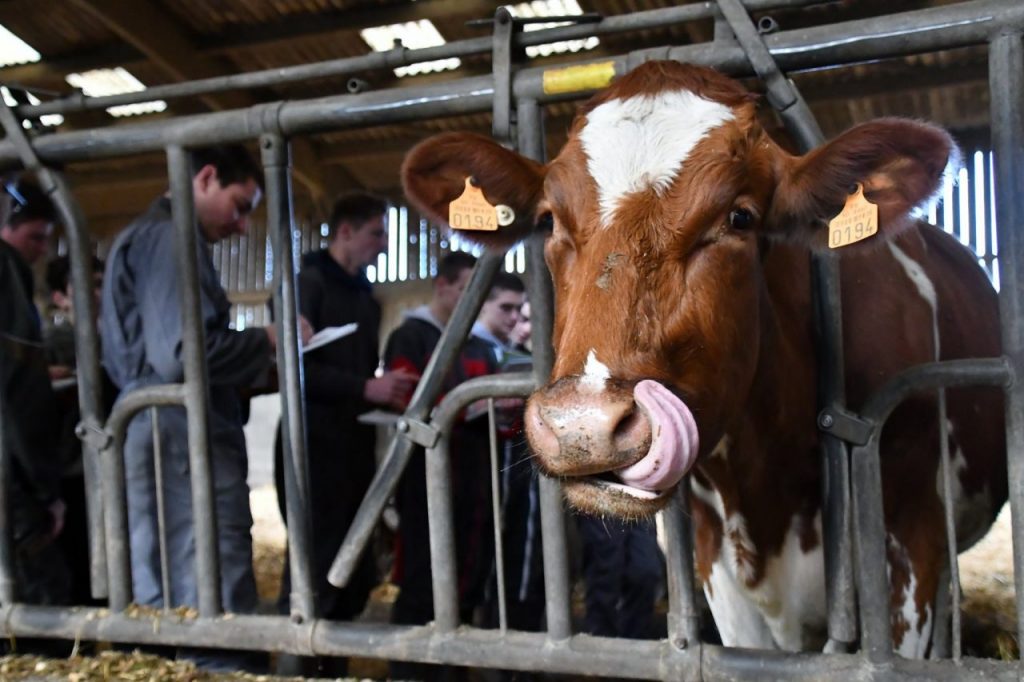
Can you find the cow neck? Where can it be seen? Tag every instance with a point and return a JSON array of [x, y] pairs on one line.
[[767, 467]]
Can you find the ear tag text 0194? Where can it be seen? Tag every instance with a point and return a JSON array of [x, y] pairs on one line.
[[472, 211], [858, 220]]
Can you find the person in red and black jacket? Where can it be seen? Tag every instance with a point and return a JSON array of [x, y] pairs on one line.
[[409, 347]]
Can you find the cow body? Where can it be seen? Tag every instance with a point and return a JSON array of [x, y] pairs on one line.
[[679, 250]]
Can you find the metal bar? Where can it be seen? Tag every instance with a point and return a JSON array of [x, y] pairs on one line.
[[196, 387], [394, 58], [429, 387], [936, 28], [583, 655], [7, 581], [683, 614], [552, 511], [870, 554], [1006, 85], [501, 68], [948, 508], [439, 501], [869, 521], [277, 170], [783, 95], [932, 375], [496, 516], [161, 515], [86, 337], [840, 591], [441, 518], [115, 514], [827, 311]]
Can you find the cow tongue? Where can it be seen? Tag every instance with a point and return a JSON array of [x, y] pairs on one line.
[[674, 441]]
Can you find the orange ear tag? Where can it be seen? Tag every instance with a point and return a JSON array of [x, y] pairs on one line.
[[471, 211], [858, 220]]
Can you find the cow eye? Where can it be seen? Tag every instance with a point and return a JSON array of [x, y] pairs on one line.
[[741, 219], [545, 223]]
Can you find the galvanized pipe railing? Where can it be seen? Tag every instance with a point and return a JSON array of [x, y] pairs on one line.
[[1006, 85], [423, 398], [90, 385], [399, 56], [944, 27], [276, 163], [527, 651], [439, 491], [115, 512], [530, 118], [868, 516], [197, 391]]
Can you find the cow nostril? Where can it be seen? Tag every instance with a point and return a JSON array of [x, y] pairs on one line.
[[632, 435]]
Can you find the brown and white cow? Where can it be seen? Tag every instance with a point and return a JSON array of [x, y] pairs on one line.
[[679, 242]]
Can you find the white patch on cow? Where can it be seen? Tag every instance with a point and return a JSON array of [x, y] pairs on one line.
[[972, 514], [737, 618], [781, 608], [595, 373], [923, 283], [792, 592], [919, 626], [642, 142]]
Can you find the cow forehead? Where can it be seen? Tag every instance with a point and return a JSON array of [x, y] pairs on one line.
[[641, 142]]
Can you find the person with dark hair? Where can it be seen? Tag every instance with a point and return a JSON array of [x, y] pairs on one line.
[[58, 327], [141, 323], [340, 385], [28, 405], [29, 221], [500, 313], [410, 346]]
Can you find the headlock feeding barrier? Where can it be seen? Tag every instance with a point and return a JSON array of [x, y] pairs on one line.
[[516, 96]]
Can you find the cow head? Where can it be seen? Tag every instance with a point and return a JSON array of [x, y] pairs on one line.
[[658, 209]]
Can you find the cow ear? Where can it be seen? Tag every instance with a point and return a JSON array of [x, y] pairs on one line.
[[899, 163], [434, 174]]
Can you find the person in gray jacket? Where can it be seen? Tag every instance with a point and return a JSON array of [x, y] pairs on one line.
[[141, 326]]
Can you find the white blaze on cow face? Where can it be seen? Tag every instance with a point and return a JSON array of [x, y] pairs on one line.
[[641, 142], [595, 373]]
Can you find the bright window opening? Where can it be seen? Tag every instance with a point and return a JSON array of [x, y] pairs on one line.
[[14, 50], [552, 8], [413, 35], [117, 81]]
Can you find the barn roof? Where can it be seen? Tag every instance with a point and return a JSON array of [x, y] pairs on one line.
[[169, 41]]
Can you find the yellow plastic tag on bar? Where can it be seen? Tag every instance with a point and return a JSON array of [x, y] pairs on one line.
[[578, 78], [858, 220], [471, 211]]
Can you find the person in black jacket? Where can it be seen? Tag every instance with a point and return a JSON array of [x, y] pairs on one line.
[[340, 385], [28, 406]]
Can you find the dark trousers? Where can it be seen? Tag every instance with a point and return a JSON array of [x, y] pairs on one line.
[[623, 573]]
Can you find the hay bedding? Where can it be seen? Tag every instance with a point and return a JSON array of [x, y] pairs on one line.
[[110, 665]]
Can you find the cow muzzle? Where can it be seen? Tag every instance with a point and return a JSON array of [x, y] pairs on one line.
[[619, 450]]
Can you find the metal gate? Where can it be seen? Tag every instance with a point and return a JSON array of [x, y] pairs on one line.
[[516, 98]]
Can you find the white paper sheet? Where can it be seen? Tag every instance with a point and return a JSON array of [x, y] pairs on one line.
[[328, 335]]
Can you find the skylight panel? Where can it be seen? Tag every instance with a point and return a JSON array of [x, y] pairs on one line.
[[413, 35], [551, 8], [117, 81], [47, 120], [14, 50]]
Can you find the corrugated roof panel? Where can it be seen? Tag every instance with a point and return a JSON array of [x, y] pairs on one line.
[[413, 35], [116, 81]]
